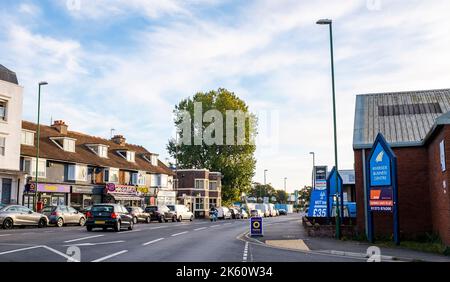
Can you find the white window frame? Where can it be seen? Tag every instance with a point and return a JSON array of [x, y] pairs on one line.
[[65, 143], [42, 168], [211, 182], [74, 171], [2, 145], [4, 113], [205, 183], [111, 171], [27, 137], [131, 156]]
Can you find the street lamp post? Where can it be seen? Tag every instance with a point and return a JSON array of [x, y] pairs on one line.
[[330, 24], [38, 131], [285, 187], [313, 184], [265, 171]]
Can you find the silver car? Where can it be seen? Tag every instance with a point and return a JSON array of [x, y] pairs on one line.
[[15, 215], [62, 215]]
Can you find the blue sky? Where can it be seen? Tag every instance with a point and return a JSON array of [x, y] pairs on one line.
[[124, 64]]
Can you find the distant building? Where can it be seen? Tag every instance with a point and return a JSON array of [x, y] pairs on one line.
[[198, 189], [417, 126], [11, 98]]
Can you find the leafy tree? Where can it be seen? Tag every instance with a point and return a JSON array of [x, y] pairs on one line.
[[260, 191], [231, 154]]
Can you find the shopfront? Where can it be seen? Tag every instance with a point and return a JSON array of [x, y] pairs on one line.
[[83, 196], [123, 194], [47, 195], [149, 195], [166, 197]]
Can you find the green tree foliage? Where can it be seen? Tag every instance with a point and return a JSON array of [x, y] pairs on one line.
[[236, 162], [260, 191]]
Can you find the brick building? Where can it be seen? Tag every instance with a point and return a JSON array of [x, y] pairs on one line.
[[417, 126], [198, 189]]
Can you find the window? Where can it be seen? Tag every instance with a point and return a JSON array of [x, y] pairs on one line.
[[154, 160], [29, 166], [212, 185], [111, 175], [212, 203], [130, 156], [27, 138], [2, 146], [199, 203], [139, 178], [200, 183], [3, 109], [69, 145], [102, 151], [175, 184], [77, 172]]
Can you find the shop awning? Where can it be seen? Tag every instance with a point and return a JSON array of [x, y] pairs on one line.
[[126, 197]]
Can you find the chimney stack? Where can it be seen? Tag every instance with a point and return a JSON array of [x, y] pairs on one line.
[[119, 139], [60, 126]]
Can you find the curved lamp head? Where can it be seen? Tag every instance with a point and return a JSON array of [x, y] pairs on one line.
[[43, 83], [324, 21]]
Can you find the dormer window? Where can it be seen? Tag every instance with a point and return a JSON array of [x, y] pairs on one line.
[[27, 137], [65, 143], [128, 155], [151, 158], [99, 149]]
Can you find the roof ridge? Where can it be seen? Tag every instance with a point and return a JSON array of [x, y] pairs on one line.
[[404, 92]]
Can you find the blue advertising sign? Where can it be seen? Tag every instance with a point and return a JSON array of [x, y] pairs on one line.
[[256, 226], [335, 190], [380, 167], [318, 204], [382, 190]]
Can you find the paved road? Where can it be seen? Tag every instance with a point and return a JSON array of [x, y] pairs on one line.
[[196, 241]]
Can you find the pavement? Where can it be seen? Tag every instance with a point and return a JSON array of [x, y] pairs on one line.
[[197, 241], [291, 235]]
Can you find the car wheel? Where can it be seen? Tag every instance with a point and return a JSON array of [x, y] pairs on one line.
[[161, 219], [89, 228], [180, 219], [42, 223], [192, 218], [117, 226], [60, 222], [166, 220], [82, 221], [131, 226], [148, 220], [8, 223], [135, 220]]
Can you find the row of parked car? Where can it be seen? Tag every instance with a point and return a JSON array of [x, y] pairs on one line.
[[98, 215]]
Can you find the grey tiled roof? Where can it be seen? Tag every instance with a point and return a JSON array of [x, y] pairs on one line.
[[404, 118], [8, 75]]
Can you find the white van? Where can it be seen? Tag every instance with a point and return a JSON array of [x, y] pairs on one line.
[[223, 213], [181, 212], [272, 210], [264, 208]]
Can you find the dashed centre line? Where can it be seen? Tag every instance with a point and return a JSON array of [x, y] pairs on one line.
[[153, 241], [177, 234], [201, 228], [83, 238], [244, 256], [110, 256]]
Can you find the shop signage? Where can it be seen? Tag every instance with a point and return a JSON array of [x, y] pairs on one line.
[[318, 204], [320, 175], [143, 190], [120, 189], [55, 188], [381, 193], [256, 226]]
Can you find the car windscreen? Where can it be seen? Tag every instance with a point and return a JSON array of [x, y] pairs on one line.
[[102, 209], [172, 208], [150, 209]]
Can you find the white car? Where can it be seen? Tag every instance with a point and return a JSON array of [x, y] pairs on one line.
[[181, 212], [223, 213], [264, 208], [244, 214]]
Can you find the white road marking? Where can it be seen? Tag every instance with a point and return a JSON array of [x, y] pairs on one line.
[[129, 231], [19, 250], [215, 226], [153, 241], [95, 244], [61, 254], [176, 234], [227, 223], [159, 227], [110, 256], [83, 238], [3, 235], [201, 228], [244, 256]]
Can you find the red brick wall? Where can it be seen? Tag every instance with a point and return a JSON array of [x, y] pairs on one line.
[[440, 196], [413, 190]]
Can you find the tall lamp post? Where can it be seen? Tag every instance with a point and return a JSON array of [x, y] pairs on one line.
[[313, 186], [338, 223], [285, 187], [37, 143], [265, 183]]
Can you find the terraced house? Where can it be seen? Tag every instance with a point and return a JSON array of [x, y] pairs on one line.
[[77, 169]]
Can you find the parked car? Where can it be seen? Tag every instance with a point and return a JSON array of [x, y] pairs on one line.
[[235, 213], [181, 212], [223, 213], [256, 213], [282, 211], [272, 210], [85, 210], [139, 215], [16, 215], [109, 216], [161, 213], [62, 215], [244, 214], [264, 208]]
